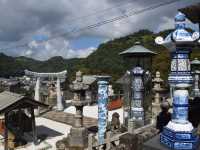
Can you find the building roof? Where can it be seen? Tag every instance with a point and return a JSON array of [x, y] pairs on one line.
[[192, 12], [125, 79], [138, 50], [10, 101], [89, 79]]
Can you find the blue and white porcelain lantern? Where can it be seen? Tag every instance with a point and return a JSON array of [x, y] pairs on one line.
[[178, 134], [137, 111]]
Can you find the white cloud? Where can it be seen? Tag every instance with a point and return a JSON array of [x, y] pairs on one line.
[[58, 47], [22, 20], [80, 53]]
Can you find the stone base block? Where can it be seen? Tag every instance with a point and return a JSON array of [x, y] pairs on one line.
[[179, 140], [78, 137]]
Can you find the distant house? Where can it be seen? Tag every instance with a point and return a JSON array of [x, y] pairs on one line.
[[17, 118], [11, 85]]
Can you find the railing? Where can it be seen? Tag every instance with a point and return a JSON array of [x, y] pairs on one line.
[[142, 129], [110, 138]]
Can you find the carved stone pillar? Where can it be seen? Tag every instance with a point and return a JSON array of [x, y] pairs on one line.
[[37, 95], [59, 96], [137, 111]]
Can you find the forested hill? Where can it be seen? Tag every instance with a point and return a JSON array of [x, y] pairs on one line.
[[105, 60]]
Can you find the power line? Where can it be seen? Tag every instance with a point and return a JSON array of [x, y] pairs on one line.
[[101, 23], [128, 2], [104, 22], [103, 11]]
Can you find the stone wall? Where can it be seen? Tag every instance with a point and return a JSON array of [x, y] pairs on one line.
[[135, 141]]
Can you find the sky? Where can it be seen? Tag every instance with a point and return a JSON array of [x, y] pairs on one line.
[[35, 22]]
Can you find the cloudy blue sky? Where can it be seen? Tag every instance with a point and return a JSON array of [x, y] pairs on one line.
[[32, 22]]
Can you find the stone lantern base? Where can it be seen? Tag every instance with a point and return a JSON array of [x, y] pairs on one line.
[[78, 137], [179, 136]]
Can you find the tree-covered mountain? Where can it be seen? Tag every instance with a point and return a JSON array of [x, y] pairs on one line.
[[105, 60]]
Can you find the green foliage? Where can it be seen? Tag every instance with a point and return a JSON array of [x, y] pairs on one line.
[[105, 60]]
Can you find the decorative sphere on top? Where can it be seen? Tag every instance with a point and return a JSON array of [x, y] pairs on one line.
[[79, 76], [157, 74], [180, 17]]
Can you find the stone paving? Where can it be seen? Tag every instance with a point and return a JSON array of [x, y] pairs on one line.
[[68, 118]]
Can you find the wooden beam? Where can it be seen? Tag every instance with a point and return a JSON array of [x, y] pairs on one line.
[[6, 133], [33, 126], [20, 122]]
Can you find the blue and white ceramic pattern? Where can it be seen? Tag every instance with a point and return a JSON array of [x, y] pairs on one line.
[[102, 109], [137, 96], [178, 134]]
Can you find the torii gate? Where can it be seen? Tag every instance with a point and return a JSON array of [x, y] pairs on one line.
[[58, 75]]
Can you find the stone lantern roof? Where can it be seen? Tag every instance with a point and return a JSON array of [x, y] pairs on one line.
[[137, 50], [195, 62]]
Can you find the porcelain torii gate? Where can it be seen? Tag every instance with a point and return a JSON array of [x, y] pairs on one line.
[[58, 75]]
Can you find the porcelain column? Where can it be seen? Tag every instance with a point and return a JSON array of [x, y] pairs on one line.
[[102, 108]]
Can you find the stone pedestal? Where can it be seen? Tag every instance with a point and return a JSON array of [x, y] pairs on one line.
[[155, 111], [78, 137]]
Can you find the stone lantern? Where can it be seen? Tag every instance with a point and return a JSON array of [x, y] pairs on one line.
[[157, 89], [140, 74], [195, 64], [178, 134], [78, 136]]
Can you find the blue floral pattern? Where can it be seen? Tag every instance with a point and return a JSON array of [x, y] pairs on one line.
[[102, 109]]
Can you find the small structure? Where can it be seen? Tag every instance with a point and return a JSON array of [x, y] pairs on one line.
[[78, 136], [38, 76], [195, 64], [91, 93], [141, 83], [12, 85], [10, 102], [178, 134], [157, 89], [125, 81]]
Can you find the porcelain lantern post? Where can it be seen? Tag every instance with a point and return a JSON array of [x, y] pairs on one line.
[[178, 134]]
